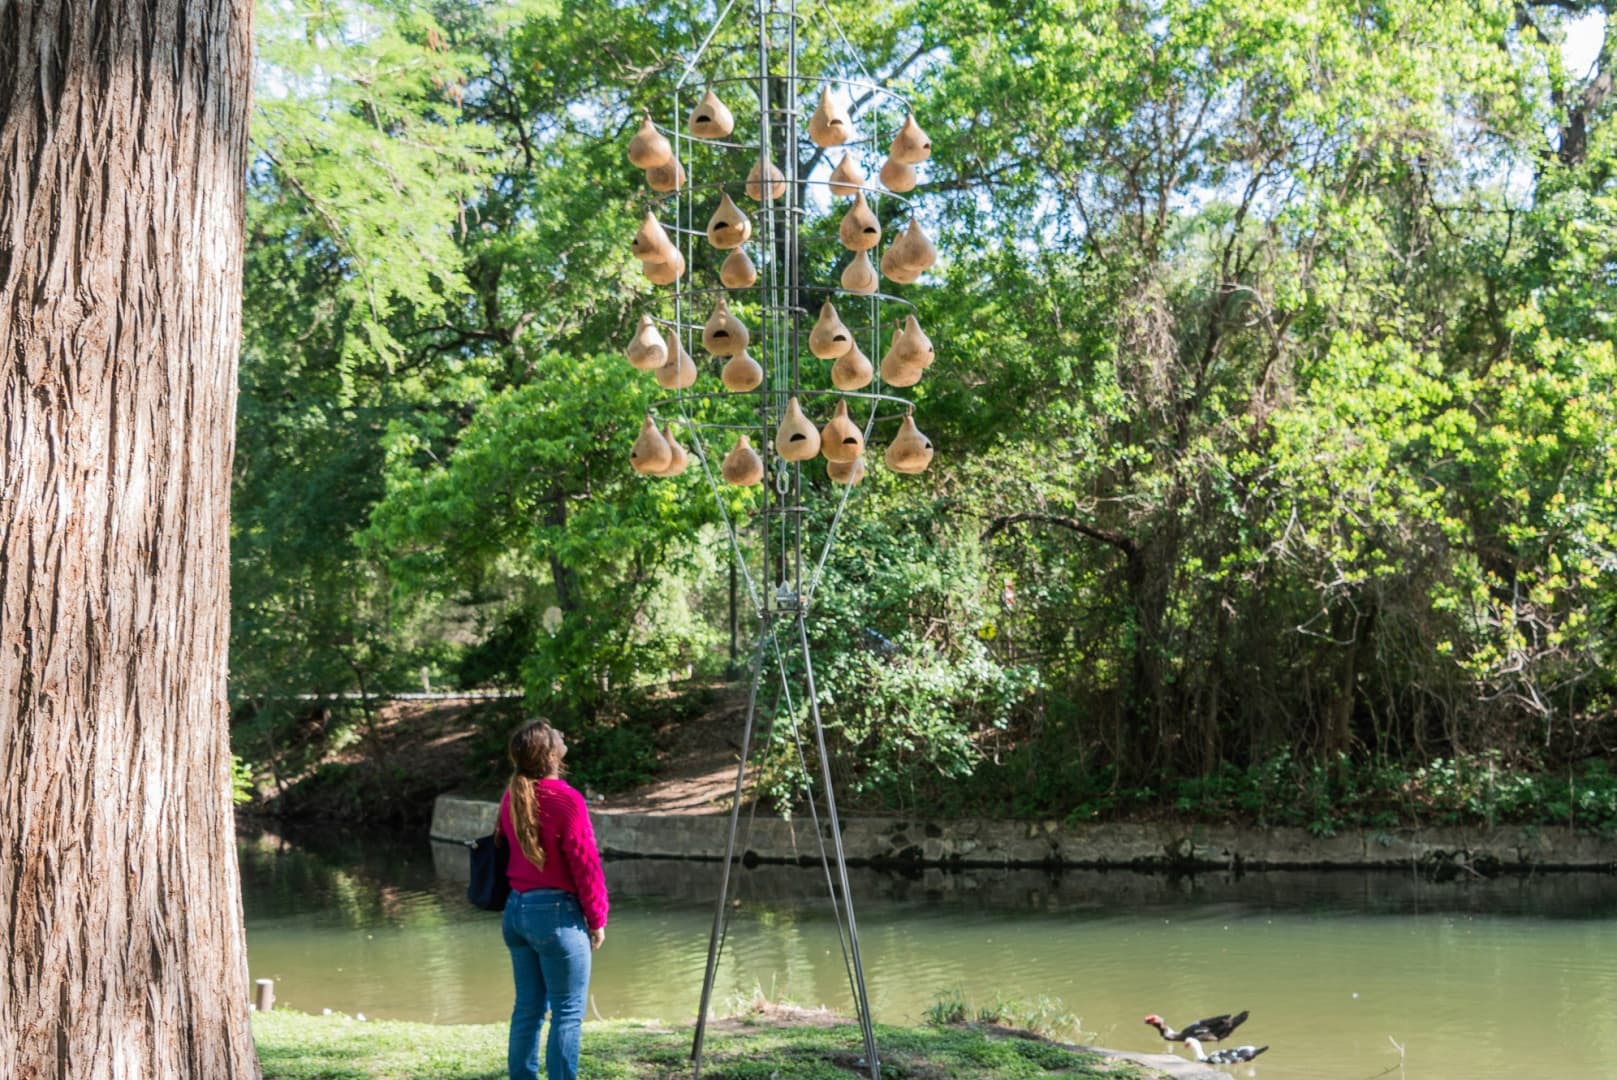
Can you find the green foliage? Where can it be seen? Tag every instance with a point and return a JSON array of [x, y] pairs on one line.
[[1275, 401], [1473, 790], [241, 780]]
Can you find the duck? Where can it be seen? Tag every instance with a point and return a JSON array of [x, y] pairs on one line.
[[1211, 1029], [1233, 1056]]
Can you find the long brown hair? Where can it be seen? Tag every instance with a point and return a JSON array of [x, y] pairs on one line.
[[536, 753]]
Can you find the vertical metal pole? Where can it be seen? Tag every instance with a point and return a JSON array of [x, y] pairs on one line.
[[863, 1003], [729, 851]]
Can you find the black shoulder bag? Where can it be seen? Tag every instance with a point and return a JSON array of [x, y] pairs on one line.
[[488, 885]]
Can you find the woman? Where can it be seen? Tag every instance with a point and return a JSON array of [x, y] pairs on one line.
[[556, 915]]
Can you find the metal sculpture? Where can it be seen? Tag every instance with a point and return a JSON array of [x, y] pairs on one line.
[[741, 228]]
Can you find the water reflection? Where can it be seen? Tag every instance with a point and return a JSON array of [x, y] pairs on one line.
[[1508, 977]]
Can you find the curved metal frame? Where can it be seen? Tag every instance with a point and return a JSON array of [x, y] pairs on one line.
[[786, 581]]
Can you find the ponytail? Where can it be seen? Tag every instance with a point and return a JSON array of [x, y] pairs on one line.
[[525, 817], [536, 751]]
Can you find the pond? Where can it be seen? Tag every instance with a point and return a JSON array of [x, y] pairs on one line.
[[1348, 975]]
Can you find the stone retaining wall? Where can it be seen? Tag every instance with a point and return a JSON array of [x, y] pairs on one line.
[[968, 843]]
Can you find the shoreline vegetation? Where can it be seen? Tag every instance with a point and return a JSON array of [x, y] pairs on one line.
[[388, 762], [779, 1042]]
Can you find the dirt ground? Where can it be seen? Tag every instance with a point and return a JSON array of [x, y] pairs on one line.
[[697, 770]]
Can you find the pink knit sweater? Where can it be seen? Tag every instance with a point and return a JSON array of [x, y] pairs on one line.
[[571, 859]]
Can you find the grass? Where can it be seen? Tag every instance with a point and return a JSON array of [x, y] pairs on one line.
[[297, 1046]]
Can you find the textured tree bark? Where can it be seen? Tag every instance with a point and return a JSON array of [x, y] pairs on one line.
[[123, 131]]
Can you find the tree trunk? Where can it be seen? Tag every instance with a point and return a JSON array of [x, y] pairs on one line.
[[123, 129]]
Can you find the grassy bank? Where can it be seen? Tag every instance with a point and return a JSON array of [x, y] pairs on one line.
[[297, 1046]]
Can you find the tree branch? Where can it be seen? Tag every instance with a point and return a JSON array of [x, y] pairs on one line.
[[1126, 544]]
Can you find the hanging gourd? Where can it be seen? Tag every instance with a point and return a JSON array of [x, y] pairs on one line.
[[897, 176], [756, 182], [741, 374], [667, 177], [910, 252], [902, 365], [859, 231], [651, 242], [846, 472], [910, 451], [646, 350], [899, 274], [649, 149], [737, 271], [852, 371], [728, 227], [742, 466], [711, 119], [665, 273], [723, 334], [917, 347], [829, 338], [650, 452], [677, 457], [847, 178], [829, 124], [840, 439], [911, 145], [859, 275], [796, 439], [679, 370], [895, 372]]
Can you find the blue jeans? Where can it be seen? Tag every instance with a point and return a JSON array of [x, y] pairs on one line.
[[550, 961]]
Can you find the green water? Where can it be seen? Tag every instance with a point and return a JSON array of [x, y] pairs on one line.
[[1505, 978]]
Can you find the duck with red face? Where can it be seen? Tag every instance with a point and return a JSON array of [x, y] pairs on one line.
[[1210, 1029]]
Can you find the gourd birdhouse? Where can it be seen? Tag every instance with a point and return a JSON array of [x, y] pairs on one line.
[[911, 145], [742, 466], [846, 472], [765, 175], [650, 453], [910, 451], [853, 370], [666, 177], [737, 272], [711, 119], [728, 227], [829, 124], [829, 338], [900, 274], [677, 458], [917, 346], [665, 273], [651, 242], [847, 178], [910, 252], [897, 176], [646, 350], [896, 372], [859, 231], [723, 334], [679, 370], [796, 439], [904, 361], [741, 374], [860, 275], [840, 439], [649, 148]]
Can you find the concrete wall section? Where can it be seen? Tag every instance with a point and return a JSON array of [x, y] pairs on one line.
[[879, 841]]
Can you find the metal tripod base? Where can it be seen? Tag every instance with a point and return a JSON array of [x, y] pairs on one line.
[[833, 861]]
